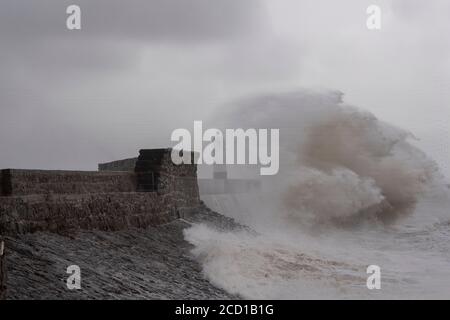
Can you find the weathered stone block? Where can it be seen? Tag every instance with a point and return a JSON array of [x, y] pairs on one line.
[[119, 165], [103, 211], [42, 200], [26, 182]]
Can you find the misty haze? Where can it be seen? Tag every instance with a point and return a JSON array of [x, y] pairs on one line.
[[360, 176]]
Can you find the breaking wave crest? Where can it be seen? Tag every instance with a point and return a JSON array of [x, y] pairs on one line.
[[362, 166], [338, 163], [352, 191]]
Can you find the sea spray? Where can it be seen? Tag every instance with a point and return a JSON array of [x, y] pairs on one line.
[[347, 180]]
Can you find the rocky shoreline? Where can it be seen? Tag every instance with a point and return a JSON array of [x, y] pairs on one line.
[[151, 263]]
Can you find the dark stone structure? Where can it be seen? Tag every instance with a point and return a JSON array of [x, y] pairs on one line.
[[17, 182], [156, 191], [119, 165], [141, 192], [123, 225]]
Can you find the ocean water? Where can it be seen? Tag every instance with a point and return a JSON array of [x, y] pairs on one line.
[[352, 191], [326, 262]]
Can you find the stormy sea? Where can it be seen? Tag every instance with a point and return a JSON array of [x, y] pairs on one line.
[[352, 191]]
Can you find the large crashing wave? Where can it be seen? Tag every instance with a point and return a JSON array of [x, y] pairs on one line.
[[338, 163], [338, 166]]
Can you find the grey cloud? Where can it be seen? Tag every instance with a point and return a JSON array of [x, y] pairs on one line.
[[180, 20], [71, 98], [429, 12], [34, 35], [139, 68]]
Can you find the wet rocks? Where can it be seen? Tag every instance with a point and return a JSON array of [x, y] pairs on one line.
[[152, 263]]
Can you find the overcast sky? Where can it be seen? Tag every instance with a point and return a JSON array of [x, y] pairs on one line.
[[139, 69]]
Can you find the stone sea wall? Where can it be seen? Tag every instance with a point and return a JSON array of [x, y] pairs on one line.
[[101, 211], [26, 182], [156, 191], [142, 192], [179, 182], [118, 165]]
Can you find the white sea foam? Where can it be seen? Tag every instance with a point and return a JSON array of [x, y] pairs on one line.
[[352, 191]]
